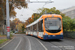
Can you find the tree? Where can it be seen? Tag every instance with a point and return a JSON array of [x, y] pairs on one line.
[[12, 25], [23, 28], [36, 16], [1, 17], [51, 10], [12, 5], [68, 24], [16, 24]]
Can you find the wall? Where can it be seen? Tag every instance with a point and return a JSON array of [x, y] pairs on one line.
[[69, 34]]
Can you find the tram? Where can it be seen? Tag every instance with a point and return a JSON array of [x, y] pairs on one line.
[[48, 26]]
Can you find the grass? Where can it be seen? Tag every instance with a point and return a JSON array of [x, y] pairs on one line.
[[11, 35], [3, 40], [20, 33]]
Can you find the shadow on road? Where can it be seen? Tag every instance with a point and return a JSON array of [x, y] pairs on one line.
[[50, 40], [53, 40]]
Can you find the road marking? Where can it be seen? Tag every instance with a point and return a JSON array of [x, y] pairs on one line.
[[18, 44], [42, 44], [6, 43], [29, 43]]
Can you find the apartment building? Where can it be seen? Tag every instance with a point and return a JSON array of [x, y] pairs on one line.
[[69, 12]]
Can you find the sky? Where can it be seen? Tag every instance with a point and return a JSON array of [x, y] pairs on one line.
[[25, 13]]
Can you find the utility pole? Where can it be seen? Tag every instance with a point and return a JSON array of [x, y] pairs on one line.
[[7, 19]]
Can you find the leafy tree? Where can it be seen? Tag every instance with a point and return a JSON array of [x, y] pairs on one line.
[[20, 24], [12, 5], [23, 28], [68, 24], [35, 16], [51, 10], [17, 25]]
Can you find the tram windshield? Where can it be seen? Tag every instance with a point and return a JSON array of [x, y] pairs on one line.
[[52, 24]]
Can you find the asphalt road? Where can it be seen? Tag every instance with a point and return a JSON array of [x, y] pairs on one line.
[[23, 42]]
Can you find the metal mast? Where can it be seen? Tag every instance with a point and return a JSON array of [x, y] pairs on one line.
[[7, 19]]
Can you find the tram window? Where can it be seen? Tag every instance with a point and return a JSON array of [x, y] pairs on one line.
[[53, 25], [35, 27], [40, 26], [31, 28], [26, 29]]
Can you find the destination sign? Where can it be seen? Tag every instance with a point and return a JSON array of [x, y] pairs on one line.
[[52, 18]]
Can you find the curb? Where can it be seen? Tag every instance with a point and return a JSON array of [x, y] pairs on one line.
[[4, 43], [69, 39]]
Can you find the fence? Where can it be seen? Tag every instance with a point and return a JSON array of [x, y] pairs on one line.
[[69, 34]]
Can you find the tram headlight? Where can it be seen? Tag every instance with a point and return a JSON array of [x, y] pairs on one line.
[[61, 34], [46, 34]]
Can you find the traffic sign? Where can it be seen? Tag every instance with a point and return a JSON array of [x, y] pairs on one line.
[[8, 29]]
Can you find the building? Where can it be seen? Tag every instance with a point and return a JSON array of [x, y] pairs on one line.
[[69, 12]]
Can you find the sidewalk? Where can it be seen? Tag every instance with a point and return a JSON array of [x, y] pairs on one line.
[[2, 37], [69, 39]]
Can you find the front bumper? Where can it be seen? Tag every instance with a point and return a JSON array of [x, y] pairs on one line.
[[52, 37]]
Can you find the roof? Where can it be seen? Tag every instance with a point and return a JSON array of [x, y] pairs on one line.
[[68, 9]]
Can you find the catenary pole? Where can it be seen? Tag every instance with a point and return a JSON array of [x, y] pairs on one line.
[[7, 19]]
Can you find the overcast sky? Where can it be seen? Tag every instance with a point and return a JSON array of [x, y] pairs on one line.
[[24, 14]]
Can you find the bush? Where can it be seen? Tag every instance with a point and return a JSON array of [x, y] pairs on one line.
[[68, 24]]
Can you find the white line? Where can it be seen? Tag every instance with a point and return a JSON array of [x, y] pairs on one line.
[[29, 43], [42, 44], [6, 43], [18, 44]]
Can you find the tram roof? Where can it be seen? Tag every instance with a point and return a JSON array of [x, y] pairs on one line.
[[34, 22]]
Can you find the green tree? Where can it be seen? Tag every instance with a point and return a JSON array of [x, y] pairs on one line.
[[52, 10], [68, 24]]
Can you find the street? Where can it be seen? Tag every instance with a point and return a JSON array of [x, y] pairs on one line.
[[23, 42]]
